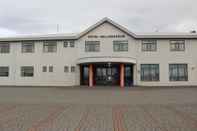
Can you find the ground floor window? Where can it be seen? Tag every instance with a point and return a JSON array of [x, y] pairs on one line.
[[66, 69], [27, 71], [44, 69], [50, 68], [72, 69], [149, 72], [4, 71], [178, 72]]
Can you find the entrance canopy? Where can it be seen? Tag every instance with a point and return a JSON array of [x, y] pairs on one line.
[[114, 59]]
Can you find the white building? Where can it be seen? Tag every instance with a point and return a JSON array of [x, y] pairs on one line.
[[104, 54]]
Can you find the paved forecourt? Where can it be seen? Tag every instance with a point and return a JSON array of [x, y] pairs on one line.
[[59, 109]]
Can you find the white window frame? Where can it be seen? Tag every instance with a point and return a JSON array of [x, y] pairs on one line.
[[47, 46], [4, 71], [149, 45], [25, 47], [92, 46], [120, 46], [4, 47], [27, 71], [177, 45]]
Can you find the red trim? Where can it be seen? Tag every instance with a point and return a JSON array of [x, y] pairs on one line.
[[91, 75], [121, 75]]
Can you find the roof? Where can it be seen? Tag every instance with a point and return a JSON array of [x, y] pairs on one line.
[[39, 37], [167, 35], [58, 36]]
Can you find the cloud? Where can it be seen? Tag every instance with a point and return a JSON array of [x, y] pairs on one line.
[[42, 16], [6, 32]]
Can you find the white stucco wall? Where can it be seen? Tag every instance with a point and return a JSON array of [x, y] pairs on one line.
[[163, 56], [72, 56], [15, 59]]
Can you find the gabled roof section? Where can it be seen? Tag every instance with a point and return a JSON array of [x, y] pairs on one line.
[[104, 20]]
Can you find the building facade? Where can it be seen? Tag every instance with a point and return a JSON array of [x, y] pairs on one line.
[[104, 54]]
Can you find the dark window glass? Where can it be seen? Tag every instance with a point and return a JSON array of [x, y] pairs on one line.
[[149, 45], [27, 47], [149, 72], [27, 71], [66, 69], [120, 46], [66, 44], [178, 72], [4, 47], [50, 46], [50, 68], [72, 68], [92, 46], [177, 45], [72, 44], [44, 69], [4, 71]]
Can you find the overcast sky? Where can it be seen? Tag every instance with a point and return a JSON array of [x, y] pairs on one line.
[[73, 16]]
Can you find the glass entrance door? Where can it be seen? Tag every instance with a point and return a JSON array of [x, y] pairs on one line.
[[107, 75]]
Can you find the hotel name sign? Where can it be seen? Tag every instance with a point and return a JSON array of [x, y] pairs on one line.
[[106, 36]]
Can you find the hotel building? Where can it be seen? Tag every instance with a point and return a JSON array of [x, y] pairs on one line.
[[104, 54]]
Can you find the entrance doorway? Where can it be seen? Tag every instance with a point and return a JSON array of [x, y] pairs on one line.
[[106, 74]]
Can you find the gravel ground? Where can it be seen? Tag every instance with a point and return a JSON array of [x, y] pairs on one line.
[[103, 109]]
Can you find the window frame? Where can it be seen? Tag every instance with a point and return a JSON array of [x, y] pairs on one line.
[[66, 69], [120, 44], [150, 70], [66, 44], [177, 45], [72, 44], [4, 45], [47, 44], [88, 47], [24, 44], [44, 68], [23, 74], [72, 69], [51, 69], [5, 72], [178, 77], [147, 44]]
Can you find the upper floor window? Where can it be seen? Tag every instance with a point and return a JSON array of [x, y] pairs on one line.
[[149, 72], [149, 45], [177, 45], [72, 44], [4, 47], [4, 71], [178, 72], [120, 45], [92, 46], [50, 46], [27, 47], [67, 43], [27, 71]]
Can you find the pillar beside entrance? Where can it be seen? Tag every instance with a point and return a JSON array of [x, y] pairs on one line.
[[91, 75], [122, 84]]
